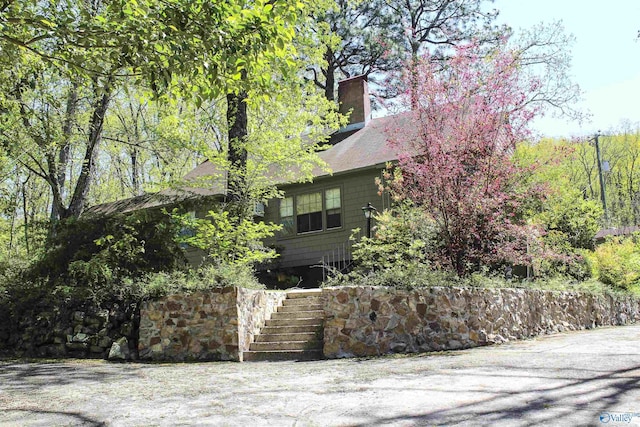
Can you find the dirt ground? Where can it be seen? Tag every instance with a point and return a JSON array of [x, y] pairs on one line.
[[582, 378]]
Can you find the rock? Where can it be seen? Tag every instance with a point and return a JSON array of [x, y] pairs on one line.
[[398, 347], [96, 349], [394, 321], [77, 346], [120, 350], [454, 345], [80, 337], [105, 342]]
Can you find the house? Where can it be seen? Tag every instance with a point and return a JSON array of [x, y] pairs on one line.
[[626, 231], [317, 217]]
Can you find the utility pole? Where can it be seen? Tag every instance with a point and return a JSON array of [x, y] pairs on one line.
[[602, 189]]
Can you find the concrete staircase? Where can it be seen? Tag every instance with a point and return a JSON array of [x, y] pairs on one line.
[[294, 331]]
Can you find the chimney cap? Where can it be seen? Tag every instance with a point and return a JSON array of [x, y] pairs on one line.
[[364, 77]]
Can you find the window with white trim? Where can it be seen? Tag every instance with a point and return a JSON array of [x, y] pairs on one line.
[[317, 211], [333, 208], [309, 212], [286, 217]]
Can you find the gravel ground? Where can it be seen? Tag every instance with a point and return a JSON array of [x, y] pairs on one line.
[[580, 378]]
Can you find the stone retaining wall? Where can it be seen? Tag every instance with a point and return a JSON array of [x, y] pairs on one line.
[[81, 330], [366, 321], [216, 325], [254, 308]]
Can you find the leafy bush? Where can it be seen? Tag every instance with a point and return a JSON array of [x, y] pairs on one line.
[[617, 262], [227, 239], [568, 216], [400, 256], [400, 277], [101, 249], [89, 259], [207, 278], [404, 237], [562, 259]]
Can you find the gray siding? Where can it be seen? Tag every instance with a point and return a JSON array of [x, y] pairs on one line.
[[357, 189]]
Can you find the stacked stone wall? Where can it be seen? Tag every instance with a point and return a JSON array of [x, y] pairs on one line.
[[254, 308], [215, 325], [75, 330], [366, 321]]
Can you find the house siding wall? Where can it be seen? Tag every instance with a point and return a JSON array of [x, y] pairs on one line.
[[357, 189]]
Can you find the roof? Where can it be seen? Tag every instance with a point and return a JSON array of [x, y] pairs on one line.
[[622, 231], [152, 200], [365, 148], [350, 151]]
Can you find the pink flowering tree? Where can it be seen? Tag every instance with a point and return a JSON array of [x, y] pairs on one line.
[[456, 157]]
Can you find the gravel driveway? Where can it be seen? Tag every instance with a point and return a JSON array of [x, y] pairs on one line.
[[581, 378]]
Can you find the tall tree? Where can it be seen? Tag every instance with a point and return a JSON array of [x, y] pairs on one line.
[[380, 36], [381, 39], [456, 156], [438, 25], [364, 39], [543, 51], [200, 49]]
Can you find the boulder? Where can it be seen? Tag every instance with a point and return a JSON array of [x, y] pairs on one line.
[[120, 350]]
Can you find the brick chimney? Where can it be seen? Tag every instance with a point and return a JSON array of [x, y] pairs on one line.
[[353, 96]]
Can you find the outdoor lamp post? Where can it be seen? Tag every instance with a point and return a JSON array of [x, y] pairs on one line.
[[368, 213]]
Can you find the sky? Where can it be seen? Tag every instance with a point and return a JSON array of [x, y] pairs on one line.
[[605, 57]]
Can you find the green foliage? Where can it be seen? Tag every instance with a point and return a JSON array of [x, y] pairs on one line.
[[617, 262], [404, 237], [421, 276], [90, 257], [571, 168], [399, 253], [210, 277], [228, 239], [408, 276], [572, 219]]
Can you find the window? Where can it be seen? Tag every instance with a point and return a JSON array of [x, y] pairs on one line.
[[317, 211], [187, 230], [286, 216], [309, 212], [333, 208]]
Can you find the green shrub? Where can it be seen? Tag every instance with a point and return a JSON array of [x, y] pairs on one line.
[[99, 251], [207, 278], [617, 262], [404, 237], [227, 239], [400, 277]]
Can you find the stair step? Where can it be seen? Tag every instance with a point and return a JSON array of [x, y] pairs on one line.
[[307, 314], [294, 322], [291, 329], [285, 345], [254, 356], [300, 307], [303, 301], [303, 293], [298, 336]]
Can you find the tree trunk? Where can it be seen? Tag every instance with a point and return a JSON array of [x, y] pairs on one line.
[[65, 151], [237, 154], [103, 96], [135, 181], [329, 87], [24, 210]]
